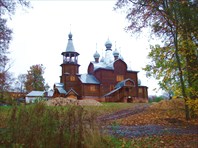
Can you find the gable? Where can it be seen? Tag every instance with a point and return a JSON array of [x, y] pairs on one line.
[[59, 87], [126, 82], [120, 66], [72, 92], [90, 68], [129, 83]]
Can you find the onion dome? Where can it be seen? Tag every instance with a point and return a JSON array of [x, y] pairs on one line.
[[108, 44], [102, 59], [96, 55], [70, 46], [70, 36], [115, 53]]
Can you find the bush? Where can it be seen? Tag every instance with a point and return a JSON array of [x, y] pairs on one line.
[[156, 99], [193, 105], [41, 126]]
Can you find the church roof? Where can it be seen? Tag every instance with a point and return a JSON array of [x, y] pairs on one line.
[[118, 86], [123, 83], [36, 94], [70, 46], [111, 92], [59, 84], [88, 78], [103, 65], [60, 88]]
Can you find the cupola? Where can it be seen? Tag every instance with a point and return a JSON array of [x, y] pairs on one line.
[[96, 56], [70, 36], [70, 55], [102, 59], [116, 54], [108, 44]]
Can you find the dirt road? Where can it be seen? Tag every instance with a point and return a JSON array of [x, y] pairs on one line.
[[109, 126]]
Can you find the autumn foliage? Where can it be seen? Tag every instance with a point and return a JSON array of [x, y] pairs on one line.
[[35, 79], [165, 112], [174, 23]]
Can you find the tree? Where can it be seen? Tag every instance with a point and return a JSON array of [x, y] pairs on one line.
[[175, 22], [35, 80], [7, 7], [6, 80], [20, 83]]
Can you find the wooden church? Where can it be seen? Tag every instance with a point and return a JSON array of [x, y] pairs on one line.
[[108, 79]]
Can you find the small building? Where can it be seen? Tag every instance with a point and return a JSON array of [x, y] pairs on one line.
[[34, 96], [59, 90]]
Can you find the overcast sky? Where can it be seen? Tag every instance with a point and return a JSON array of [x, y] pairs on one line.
[[41, 35]]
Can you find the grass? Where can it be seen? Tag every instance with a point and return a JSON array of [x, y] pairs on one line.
[[4, 114], [108, 108], [39, 125]]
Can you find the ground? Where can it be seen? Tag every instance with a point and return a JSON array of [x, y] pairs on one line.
[[160, 124], [129, 125]]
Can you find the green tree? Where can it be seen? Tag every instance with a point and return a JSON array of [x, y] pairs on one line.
[[174, 21], [34, 78], [7, 9]]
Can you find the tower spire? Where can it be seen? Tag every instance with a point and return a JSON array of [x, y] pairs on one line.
[[70, 27], [96, 55], [70, 46], [115, 53], [70, 55]]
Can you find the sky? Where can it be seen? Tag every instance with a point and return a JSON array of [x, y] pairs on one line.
[[40, 35]]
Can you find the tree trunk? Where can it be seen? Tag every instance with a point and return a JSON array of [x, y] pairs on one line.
[[187, 113]]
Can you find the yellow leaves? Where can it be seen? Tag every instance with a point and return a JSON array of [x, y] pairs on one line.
[[161, 141], [193, 105], [167, 113]]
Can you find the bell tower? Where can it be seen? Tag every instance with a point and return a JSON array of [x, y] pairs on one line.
[[70, 66]]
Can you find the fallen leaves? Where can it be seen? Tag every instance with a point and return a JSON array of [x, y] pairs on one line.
[[170, 114], [171, 141], [167, 113]]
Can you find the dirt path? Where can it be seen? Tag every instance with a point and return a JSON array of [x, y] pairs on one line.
[[123, 113], [139, 130], [147, 130]]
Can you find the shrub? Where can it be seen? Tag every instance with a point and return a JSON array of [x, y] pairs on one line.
[[156, 99], [40, 126], [193, 105]]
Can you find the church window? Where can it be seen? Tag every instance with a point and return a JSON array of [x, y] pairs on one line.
[[119, 78], [92, 88], [72, 78], [140, 91]]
